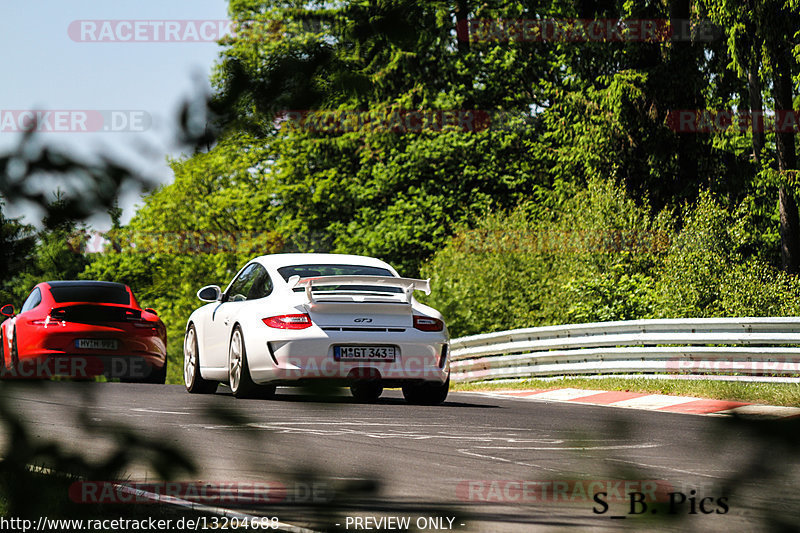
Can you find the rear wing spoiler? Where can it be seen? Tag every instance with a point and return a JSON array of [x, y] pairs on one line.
[[409, 285]]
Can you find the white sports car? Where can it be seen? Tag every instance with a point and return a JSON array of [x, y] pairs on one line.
[[291, 318]]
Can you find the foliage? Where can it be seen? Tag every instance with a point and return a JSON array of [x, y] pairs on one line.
[[603, 258], [17, 241], [518, 270], [55, 252], [708, 273]]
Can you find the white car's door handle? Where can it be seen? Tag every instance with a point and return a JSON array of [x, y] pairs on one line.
[[227, 321]]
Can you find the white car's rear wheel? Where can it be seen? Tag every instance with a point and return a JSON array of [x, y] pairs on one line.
[[427, 393], [239, 379], [191, 366], [366, 391]]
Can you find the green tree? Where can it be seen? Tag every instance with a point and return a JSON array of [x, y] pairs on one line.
[[17, 240], [762, 42]]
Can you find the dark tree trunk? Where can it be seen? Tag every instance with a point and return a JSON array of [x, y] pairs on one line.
[[756, 102], [462, 34], [684, 59], [787, 159]]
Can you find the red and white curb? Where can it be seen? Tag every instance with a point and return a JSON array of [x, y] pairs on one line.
[[651, 402]]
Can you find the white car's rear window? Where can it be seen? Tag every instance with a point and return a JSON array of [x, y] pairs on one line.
[[313, 271]]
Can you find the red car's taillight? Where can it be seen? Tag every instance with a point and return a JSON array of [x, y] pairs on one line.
[[427, 323], [55, 317], [300, 321], [134, 316]]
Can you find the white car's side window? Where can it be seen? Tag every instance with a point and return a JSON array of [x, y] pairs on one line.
[[240, 289], [262, 287]]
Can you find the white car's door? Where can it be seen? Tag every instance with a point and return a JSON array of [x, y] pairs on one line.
[[223, 317]]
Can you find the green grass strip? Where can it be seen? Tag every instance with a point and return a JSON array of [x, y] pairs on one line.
[[786, 394]]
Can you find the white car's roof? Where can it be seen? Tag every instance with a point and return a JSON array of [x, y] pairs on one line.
[[274, 261]]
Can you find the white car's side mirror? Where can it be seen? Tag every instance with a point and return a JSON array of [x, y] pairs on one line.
[[210, 293]]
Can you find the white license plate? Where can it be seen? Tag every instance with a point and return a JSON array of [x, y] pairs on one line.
[[96, 344], [364, 353]]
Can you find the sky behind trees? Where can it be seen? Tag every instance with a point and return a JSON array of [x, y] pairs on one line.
[[47, 69]]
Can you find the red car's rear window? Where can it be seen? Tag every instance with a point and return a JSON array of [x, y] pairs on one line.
[[88, 293]]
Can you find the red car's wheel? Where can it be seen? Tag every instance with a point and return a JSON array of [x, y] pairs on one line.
[[3, 366], [14, 354], [158, 376]]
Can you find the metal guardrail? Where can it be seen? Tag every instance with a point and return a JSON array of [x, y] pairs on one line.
[[748, 346]]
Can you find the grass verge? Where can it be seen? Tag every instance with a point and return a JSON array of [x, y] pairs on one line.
[[787, 394]]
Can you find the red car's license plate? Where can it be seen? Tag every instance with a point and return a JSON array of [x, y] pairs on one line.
[[96, 344], [364, 353]]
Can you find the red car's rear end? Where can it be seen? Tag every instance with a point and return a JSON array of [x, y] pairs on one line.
[[82, 329]]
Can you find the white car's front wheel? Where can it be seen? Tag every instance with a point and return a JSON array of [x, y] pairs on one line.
[[191, 366], [239, 380]]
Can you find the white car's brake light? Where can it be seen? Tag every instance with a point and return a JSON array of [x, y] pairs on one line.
[[426, 323], [300, 321]]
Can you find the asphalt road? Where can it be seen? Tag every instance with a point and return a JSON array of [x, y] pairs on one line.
[[476, 463]]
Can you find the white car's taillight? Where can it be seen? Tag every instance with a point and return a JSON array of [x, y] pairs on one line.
[[300, 321], [427, 323]]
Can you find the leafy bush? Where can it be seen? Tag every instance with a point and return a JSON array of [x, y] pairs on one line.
[[578, 264], [707, 271], [602, 258]]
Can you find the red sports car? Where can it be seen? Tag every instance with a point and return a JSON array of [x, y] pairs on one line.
[[82, 329]]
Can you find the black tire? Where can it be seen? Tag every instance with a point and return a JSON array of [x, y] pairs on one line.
[[367, 391], [3, 366], [14, 355], [194, 382], [2, 352], [427, 393], [158, 376], [243, 386]]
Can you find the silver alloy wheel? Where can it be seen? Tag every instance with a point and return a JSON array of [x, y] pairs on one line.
[[189, 357], [235, 360]]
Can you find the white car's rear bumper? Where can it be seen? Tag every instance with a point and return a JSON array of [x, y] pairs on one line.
[[420, 356]]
